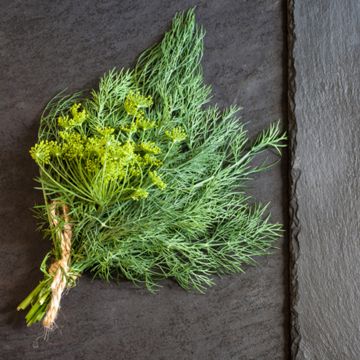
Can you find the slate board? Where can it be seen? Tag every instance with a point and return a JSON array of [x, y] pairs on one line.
[[325, 102], [47, 46]]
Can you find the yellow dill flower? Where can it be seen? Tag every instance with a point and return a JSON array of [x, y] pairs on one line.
[[130, 106], [177, 134], [64, 121], [40, 152], [149, 147], [55, 149], [73, 145], [124, 152], [117, 160], [92, 165], [73, 150], [129, 129], [134, 101], [78, 116], [136, 166], [139, 194], [74, 109], [106, 131], [114, 170], [156, 180], [135, 171], [143, 123], [151, 160], [71, 136], [94, 146]]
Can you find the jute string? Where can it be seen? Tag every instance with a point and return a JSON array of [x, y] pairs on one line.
[[59, 269]]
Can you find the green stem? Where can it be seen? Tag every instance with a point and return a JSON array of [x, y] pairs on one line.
[[28, 300]]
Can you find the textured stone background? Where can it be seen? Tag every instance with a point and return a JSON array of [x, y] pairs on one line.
[[325, 179], [47, 46]]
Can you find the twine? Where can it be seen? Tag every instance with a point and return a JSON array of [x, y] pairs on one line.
[[59, 269]]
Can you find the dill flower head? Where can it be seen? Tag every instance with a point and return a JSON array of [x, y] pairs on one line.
[[177, 134], [151, 160], [130, 129], [92, 165], [41, 152], [143, 123], [106, 132], [64, 121], [149, 147], [55, 149], [135, 101], [139, 194], [72, 144], [156, 180], [104, 149], [77, 117]]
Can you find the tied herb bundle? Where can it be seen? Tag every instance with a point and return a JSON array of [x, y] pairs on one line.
[[141, 180]]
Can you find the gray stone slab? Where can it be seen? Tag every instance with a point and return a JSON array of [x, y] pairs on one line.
[[47, 46], [325, 179]]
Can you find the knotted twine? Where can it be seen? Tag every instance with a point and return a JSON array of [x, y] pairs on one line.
[[59, 269]]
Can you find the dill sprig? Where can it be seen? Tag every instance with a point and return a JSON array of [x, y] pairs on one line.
[[153, 178]]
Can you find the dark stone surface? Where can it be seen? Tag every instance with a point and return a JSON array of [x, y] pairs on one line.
[[47, 46], [325, 179]]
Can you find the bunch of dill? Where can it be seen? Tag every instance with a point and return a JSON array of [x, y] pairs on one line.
[[153, 179]]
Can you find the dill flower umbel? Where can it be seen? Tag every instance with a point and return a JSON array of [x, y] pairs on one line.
[[130, 129], [78, 117], [72, 144], [41, 152], [134, 102], [156, 180], [143, 123], [116, 158], [151, 160], [106, 132], [149, 147], [177, 134], [139, 194]]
